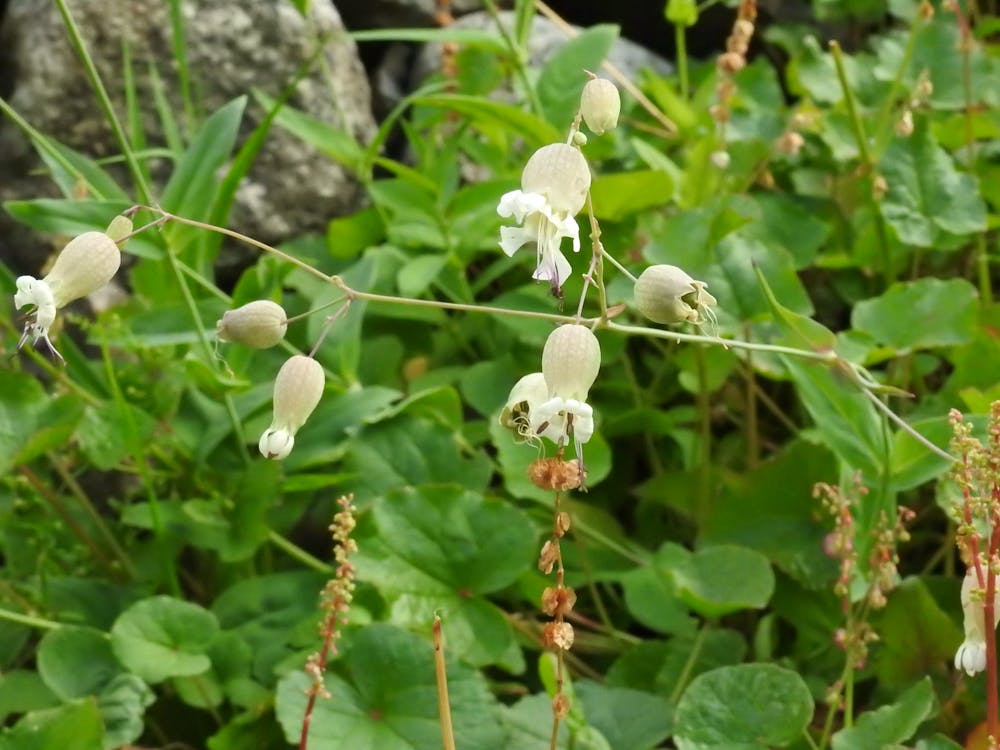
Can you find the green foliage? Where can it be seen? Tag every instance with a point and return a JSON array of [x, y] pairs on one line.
[[162, 583]]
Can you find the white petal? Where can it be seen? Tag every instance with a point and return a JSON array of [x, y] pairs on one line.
[[519, 204], [276, 443], [513, 239], [971, 657], [552, 267], [583, 420], [548, 420]]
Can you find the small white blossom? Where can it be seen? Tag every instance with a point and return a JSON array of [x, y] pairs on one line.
[[668, 294], [87, 263], [297, 390], [554, 187], [525, 397], [971, 655]]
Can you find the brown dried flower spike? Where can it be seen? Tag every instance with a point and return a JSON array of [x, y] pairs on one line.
[[554, 473]]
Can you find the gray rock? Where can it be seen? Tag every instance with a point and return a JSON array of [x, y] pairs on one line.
[[232, 47], [546, 38], [384, 14]]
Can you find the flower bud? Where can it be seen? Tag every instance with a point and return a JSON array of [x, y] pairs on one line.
[[119, 228], [87, 263], [570, 361], [600, 105], [259, 324], [297, 391], [720, 159], [560, 173], [667, 294]]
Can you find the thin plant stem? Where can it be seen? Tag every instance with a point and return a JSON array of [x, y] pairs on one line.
[[80, 47], [692, 660], [680, 38], [31, 621], [906, 427], [520, 64], [704, 406], [297, 553], [441, 678], [178, 46], [882, 128]]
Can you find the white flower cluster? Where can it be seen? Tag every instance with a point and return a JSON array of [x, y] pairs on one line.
[[971, 655]]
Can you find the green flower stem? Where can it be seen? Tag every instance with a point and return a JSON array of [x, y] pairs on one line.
[[867, 159], [297, 553], [903, 425], [685, 676], [520, 64], [680, 37], [76, 40], [30, 620], [611, 259], [882, 129]]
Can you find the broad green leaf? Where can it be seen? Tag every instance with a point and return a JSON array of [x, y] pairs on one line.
[[651, 593], [562, 78], [443, 548], [71, 170], [790, 222], [191, 186], [912, 464], [891, 724], [619, 195], [928, 197], [410, 451], [916, 637], [162, 637], [719, 580], [920, 314], [112, 432], [417, 275], [76, 662], [32, 422], [629, 719], [662, 666], [746, 707], [384, 697], [22, 691], [76, 725], [348, 236], [535, 131], [782, 522], [68, 218]]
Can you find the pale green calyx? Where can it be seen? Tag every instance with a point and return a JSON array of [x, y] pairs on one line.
[[259, 324], [297, 391], [668, 294], [87, 263], [600, 105], [571, 360]]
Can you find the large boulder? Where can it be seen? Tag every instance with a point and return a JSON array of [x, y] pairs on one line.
[[232, 47]]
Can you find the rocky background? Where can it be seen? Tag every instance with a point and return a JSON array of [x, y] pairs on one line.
[[235, 46]]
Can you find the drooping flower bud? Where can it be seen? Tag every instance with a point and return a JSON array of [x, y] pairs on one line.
[[571, 360], [667, 294], [297, 391], [259, 324], [84, 265], [600, 105], [560, 173], [971, 655], [119, 228]]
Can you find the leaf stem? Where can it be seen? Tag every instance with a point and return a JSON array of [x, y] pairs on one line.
[[30, 620], [441, 679]]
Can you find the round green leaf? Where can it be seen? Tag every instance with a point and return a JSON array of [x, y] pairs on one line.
[[743, 708], [715, 581], [161, 637], [75, 662], [385, 698]]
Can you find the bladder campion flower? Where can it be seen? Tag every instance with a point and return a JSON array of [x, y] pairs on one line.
[[667, 294], [87, 263], [571, 360], [297, 391], [554, 187], [259, 324], [525, 397], [971, 655]]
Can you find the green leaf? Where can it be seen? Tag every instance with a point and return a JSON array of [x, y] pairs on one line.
[[122, 703], [629, 719], [562, 78], [928, 198], [920, 314], [916, 636], [417, 274], [162, 637], [191, 186], [22, 691], [660, 666], [717, 581], [77, 726], [622, 194], [443, 548], [72, 217], [348, 236], [76, 662], [746, 707], [31, 422], [385, 698], [651, 593], [337, 144], [72, 168], [891, 724], [108, 434], [912, 464], [508, 118]]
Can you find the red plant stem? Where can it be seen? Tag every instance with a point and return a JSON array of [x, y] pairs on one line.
[[972, 541], [329, 628]]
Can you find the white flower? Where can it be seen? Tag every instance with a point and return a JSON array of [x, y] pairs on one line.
[[297, 391], [971, 655], [667, 294], [525, 397], [87, 263], [554, 187]]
